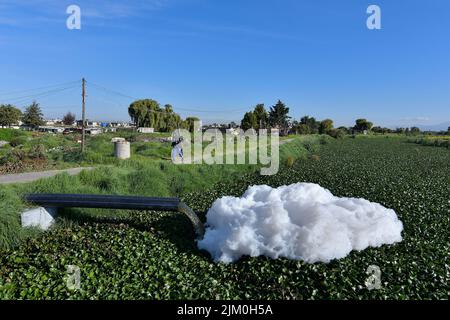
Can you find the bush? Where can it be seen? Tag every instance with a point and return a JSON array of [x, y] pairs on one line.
[[8, 134], [37, 152], [17, 141], [325, 139], [336, 133], [290, 161]]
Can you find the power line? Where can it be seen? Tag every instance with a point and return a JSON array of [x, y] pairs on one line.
[[19, 100], [178, 109], [37, 89]]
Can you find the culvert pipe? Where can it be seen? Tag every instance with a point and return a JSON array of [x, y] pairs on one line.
[[48, 200]]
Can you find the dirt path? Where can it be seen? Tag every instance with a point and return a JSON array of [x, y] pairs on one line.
[[286, 141], [33, 176]]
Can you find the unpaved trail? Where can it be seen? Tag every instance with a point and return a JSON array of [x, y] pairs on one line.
[[33, 176], [286, 141]]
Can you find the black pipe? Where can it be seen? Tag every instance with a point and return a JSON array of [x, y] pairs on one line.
[[116, 202], [103, 201]]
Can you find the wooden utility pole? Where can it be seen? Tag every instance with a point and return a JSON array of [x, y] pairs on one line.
[[83, 127]]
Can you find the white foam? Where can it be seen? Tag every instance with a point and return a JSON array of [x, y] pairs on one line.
[[302, 221]]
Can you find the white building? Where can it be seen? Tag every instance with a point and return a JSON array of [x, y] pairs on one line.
[[146, 130]]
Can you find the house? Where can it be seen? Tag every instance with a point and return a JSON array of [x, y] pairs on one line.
[[53, 122], [93, 131]]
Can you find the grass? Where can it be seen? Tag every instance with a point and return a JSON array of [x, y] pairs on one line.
[[9, 134], [139, 255], [432, 141]]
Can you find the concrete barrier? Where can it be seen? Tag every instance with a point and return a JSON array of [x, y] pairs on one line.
[[42, 218], [122, 150]]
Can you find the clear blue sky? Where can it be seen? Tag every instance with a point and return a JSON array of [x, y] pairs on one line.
[[226, 55]]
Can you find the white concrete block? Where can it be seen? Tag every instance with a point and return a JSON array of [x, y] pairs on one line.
[[40, 217], [117, 139]]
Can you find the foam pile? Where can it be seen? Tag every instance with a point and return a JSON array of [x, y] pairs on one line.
[[302, 221]]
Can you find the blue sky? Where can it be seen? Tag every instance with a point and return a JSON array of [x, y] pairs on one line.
[[225, 56]]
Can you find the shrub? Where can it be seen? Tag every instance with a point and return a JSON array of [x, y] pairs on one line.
[[324, 140], [336, 133], [17, 141], [290, 161], [8, 134], [37, 152]]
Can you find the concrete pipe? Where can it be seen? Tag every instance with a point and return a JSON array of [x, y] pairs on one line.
[[122, 150]]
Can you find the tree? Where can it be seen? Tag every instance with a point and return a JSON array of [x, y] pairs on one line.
[[9, 115], [249, 121], [311, 123], [336, 133], [69, 119], [363, 125], [33, 116], [145, 113], [278, 116], [261, 116], [148, 113], [345, 129], [325, 126], [172, 120], [415, 131], [189, 123], [302, 129], [448, 130]]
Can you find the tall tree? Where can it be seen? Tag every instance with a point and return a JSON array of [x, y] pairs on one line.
[[311, 123], [69, 119], [278, 115], [363, 125], [325, 126], [9, 115], [415, 131], [261, 116], [249, 121], [189, 123], [171, 121], [33, 116], [145, 113], [148, 113]]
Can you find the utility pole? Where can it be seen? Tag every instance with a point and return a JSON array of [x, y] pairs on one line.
[[83, 128]]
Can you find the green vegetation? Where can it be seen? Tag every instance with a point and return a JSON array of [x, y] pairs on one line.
[[256, 119], [9, 134], [363, 125], [153, 255], [69, 119], [33, 116], [150, 172], [432, 141], [9, 115], [148, 113], [279, 116]]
